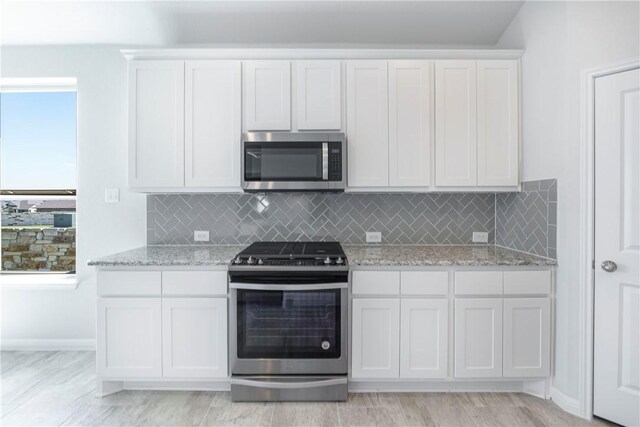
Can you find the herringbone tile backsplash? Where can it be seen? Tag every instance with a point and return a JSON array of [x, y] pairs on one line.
[[527, 221], [245, 218]]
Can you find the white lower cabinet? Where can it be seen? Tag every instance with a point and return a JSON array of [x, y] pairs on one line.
[[424, 338], [129, 338], [478, 337], [527, 337], [375, 340], [194, 337]]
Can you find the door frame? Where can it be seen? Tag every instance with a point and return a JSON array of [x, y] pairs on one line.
[[587, 226]]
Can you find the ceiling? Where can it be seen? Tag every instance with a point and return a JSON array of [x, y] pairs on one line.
[[263, 23]]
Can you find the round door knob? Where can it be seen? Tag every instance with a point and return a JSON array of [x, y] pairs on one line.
[[609, 266]]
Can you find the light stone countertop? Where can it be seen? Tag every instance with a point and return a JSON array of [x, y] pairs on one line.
[[358, 255], [440, 255]]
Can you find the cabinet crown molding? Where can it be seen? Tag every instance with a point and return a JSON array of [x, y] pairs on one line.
[[311, 53]]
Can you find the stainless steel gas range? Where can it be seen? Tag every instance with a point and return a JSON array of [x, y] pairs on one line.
[[288, 322]]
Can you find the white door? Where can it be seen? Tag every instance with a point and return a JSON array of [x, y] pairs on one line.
[[319, 95], [424, 329], [367, 123], [410, 123], [478, 338], [129, 338], [456, 142], [375, 338], [212, 123], [194, 337], [267, 86], [617, 239], [156, 124], [498, 118], [527, 337]]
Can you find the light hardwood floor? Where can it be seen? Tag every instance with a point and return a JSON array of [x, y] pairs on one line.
[[58, 388]]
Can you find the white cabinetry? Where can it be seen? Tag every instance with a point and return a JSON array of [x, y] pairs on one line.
[[498, 118], [477, 123], [424, 338], [156, 124], [267, 86], [456, 148], [367, 123], [478, 338], [375, 340], [526, 337], [410, 123], [212, 123], [194, 337], [319, 95], [129, 337]]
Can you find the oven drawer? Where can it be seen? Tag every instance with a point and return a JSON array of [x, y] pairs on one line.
[[288, 388]]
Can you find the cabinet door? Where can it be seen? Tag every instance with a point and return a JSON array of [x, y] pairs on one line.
[[212, 123], [156, 124], [527, 337], [410, 123], [375, 343], [318, 95], [498, 118], [423, 338], [129, 339], [194, 337], [267, 95], [478, 338], [367, 123], [456, 145]]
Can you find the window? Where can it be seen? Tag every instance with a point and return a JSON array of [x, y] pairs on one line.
[[38, 175]]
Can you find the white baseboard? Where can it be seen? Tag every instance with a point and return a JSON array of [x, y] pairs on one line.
[[369, 386], [565, 402], [47, 344]]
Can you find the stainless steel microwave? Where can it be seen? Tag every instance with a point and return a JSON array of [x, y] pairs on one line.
[[290, 161]]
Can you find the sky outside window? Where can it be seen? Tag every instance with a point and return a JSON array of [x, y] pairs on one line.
[[38, 140]]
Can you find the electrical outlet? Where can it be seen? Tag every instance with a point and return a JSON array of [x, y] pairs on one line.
[[480, 237], [201, 236], [374, 237], [111, 195]]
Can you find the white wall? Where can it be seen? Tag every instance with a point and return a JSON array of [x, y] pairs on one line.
[[102, 152], [561, 39]]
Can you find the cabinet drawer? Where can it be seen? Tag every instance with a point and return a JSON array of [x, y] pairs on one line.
[[424, 282], [478, 282], [194, 282], [129, 283], [527, 282], [376, 282]]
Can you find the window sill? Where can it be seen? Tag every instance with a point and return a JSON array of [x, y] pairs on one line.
[[44, 282]]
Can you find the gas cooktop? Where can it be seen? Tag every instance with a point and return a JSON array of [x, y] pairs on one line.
[[295, 254]]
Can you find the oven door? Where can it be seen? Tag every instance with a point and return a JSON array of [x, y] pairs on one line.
[[288, 329]]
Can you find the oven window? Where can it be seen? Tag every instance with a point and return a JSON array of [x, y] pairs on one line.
[[288, 325], [297, 161]]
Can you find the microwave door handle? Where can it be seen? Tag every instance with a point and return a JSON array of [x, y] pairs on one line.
[[325, 161], [287, 287]]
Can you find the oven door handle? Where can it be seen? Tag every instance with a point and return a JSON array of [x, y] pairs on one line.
[[288, 384], [288, 287]]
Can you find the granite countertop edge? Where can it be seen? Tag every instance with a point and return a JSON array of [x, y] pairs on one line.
[[358, 256]]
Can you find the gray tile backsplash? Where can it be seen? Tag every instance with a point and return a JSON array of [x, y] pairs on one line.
[[244, 218], [527, 221]]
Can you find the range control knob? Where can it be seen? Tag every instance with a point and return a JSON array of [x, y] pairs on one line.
[[327, 261], [251, 261], [260, 262], [238, 260], [339, 260]]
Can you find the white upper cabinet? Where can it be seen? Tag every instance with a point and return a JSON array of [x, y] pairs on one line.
[[410, 123], [498, 119], [267, 86], [319, 95], [212, 123], [367, 123], [156, 124], [456, 148]]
